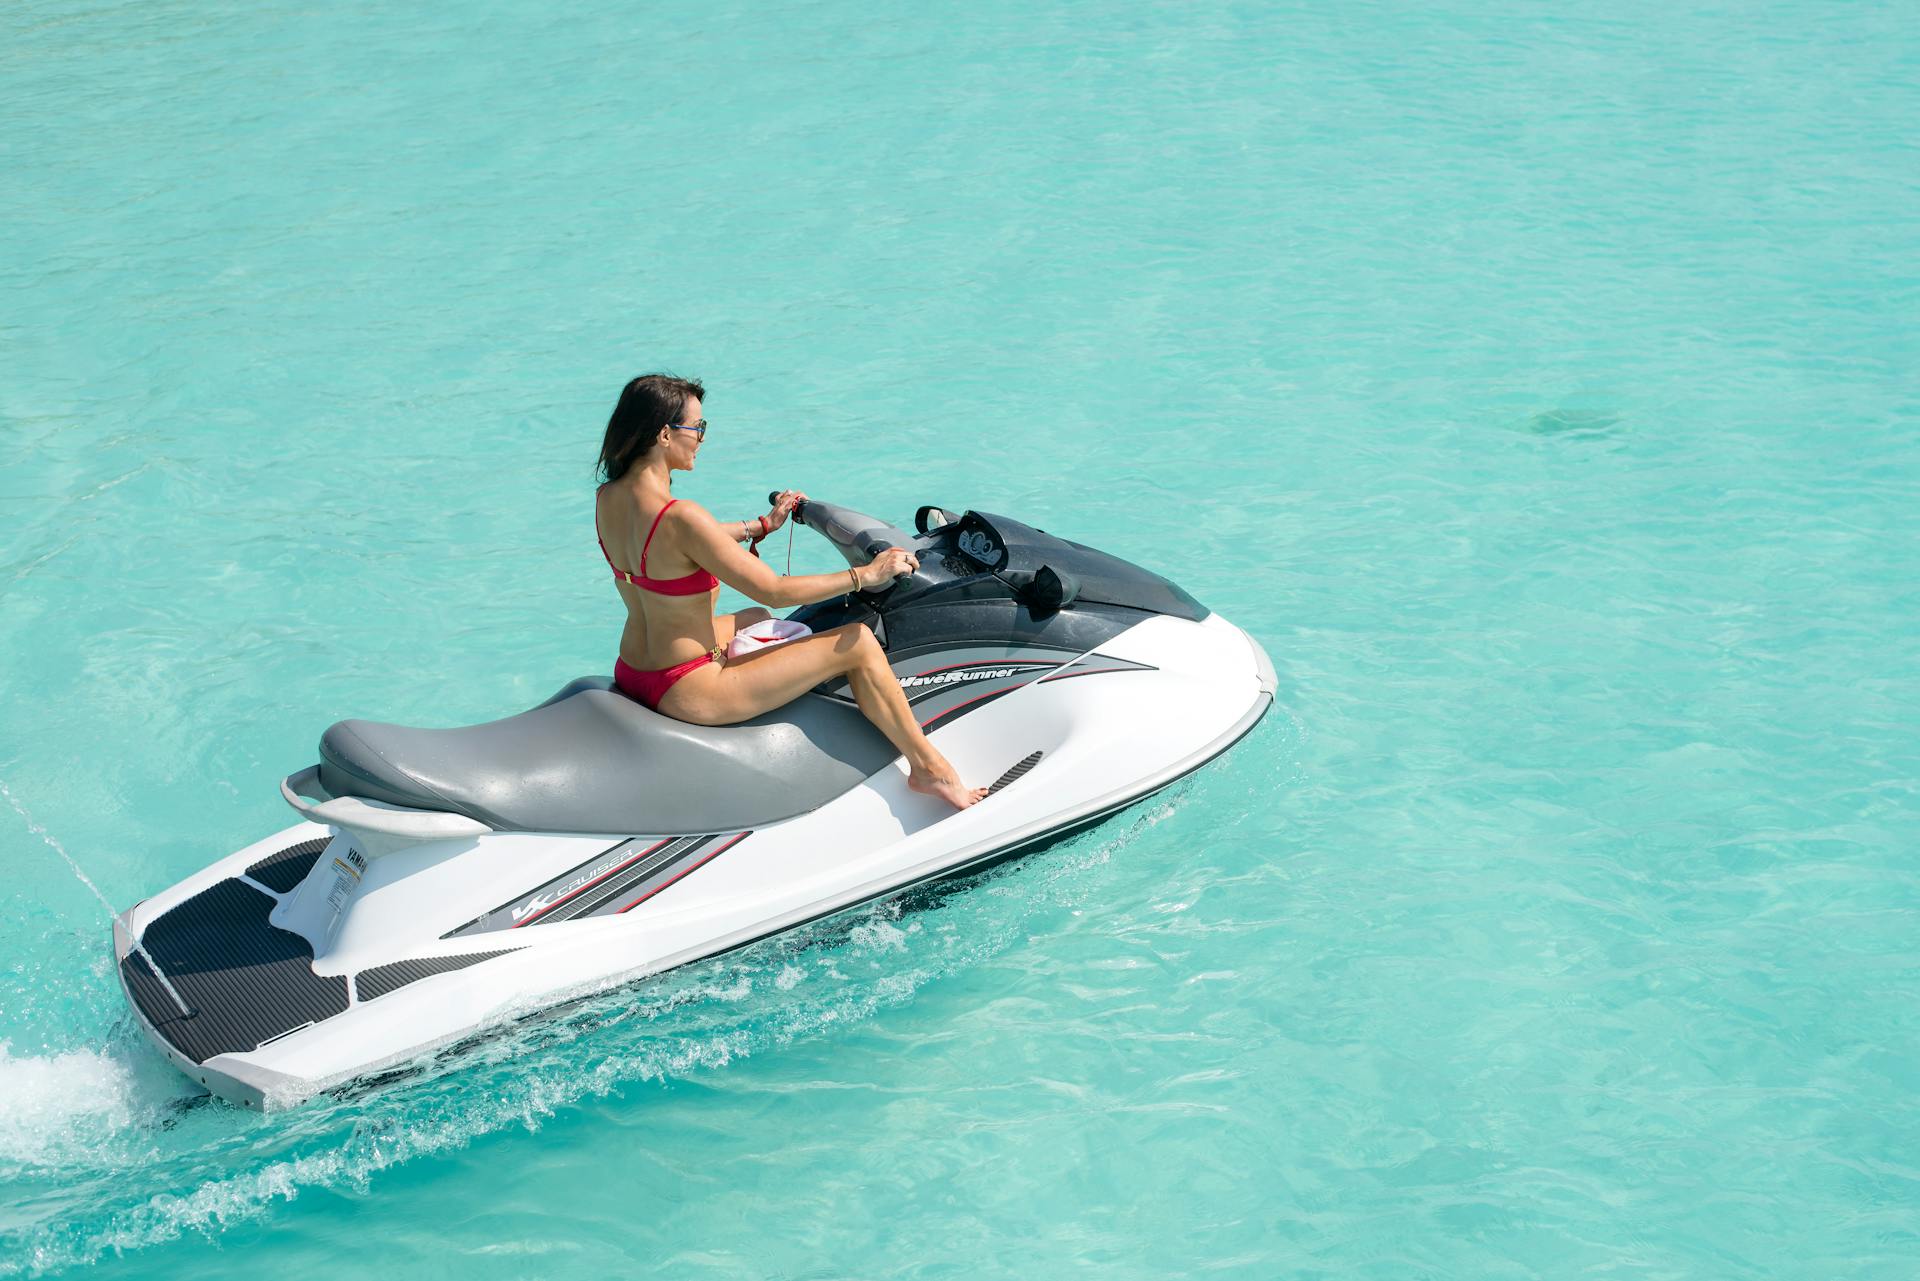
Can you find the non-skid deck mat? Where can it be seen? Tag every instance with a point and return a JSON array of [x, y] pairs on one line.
[[283, 871], [246, 981]]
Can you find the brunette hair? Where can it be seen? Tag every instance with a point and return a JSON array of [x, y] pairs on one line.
[[647, 404]]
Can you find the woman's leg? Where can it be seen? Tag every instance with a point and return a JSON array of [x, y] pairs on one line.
[[742, 688]]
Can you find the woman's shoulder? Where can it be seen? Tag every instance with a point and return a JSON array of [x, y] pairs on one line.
[[684, 511], [609, 496]]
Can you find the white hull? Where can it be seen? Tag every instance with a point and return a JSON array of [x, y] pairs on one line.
[[1192, 690]]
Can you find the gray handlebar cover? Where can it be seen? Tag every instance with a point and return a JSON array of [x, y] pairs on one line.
[[858, 536]]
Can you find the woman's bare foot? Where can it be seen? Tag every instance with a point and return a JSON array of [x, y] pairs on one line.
[[945, 785]]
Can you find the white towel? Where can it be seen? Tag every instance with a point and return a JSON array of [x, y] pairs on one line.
[[774, 631]]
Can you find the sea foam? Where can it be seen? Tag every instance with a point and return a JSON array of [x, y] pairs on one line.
[[51, 1104]]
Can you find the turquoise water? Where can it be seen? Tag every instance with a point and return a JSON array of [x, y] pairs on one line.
[[1537, 382]]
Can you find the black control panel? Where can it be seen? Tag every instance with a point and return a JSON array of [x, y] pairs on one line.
[[976, 541]]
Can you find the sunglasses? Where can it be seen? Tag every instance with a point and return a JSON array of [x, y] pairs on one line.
[[698, 429]]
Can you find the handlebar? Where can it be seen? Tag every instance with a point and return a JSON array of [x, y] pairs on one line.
[[858, 537]]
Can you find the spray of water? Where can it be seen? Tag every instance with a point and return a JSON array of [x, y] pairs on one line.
[[186, 1011]]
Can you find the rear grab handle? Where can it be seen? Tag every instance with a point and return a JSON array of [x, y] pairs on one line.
[[375, 817]]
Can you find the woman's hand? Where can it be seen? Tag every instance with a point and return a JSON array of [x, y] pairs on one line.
[[782, 506], [895, 562]]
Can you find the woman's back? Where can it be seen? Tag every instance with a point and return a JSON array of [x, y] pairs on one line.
[[669, 599]]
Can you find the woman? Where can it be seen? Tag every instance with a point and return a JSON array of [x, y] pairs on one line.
[[672, 651]]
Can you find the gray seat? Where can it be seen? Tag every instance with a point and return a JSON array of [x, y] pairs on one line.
[[590, 759]]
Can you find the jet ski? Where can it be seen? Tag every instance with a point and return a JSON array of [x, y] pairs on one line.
[[444, 882]]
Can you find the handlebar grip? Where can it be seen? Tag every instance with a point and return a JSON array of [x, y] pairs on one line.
[[773, 499]]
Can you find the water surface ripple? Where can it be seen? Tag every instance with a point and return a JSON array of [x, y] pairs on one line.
[[1538, 385]]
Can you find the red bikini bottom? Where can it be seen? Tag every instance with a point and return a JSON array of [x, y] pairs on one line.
[[651, 687]]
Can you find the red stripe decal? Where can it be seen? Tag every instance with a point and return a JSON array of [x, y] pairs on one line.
[[614, 871], [685, 873], [990, 694], [987, 662]]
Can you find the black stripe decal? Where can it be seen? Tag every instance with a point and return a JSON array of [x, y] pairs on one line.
[[529, 901], [662, 882], [1019, 767], [372, 983], [598, 880], [619, 888]]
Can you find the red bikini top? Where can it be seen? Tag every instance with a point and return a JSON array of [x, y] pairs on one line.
[[689, 585]]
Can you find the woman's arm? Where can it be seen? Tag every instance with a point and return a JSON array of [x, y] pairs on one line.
[[743, 531], [707, 545]]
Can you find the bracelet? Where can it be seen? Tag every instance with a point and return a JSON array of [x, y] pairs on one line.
[[853, 578]]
